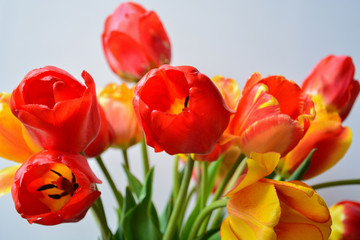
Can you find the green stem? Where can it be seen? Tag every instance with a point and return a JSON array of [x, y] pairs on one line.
[[233, 174], [170, 230], [126, 159], [204, 214], [145, 156], [198, 178], [176, 180], [119, 198], [236, 175], [204, 184], [224, 182], [183, 211], [336, 183], [101, 221]]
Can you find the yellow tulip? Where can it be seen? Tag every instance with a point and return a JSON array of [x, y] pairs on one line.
[[116, 101], [266, 209]]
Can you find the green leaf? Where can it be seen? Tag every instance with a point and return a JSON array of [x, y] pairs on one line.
[[134, 183], [301, 170], [215, 236], [165, 216], [141, 222]]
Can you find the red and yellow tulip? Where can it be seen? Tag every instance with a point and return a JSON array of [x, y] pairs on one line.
[[273, 114], [333, 79], [346, 220], [327, 135], [266, 209]]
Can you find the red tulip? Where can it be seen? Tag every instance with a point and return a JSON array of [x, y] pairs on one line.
[[346, 220], [103, 140], [53, 187], [180, 110], [273, 114], [333, 79], [59, 112], [134, 41]]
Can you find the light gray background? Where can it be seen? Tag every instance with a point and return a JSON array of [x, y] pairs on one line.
[[232, 38]]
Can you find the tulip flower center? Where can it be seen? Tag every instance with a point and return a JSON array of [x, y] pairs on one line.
[[56, 186], [179, 105]]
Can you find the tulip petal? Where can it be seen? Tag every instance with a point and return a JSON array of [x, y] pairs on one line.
[[7, 179], [304, 199], [280, 133], [13, 142], [154, 39], [254, 212], [259, 166], [123, 52]]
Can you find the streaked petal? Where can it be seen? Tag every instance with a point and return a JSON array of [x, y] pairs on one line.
[[259, 166]]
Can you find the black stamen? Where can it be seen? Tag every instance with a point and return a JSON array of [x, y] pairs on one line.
[[64, 194], [186, 101], [75, 186], [45, 187], [73, 178], [56, 173], [55, 196]]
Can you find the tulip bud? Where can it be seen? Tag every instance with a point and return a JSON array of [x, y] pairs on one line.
[[116, 100], [134, 41], [333, 79]]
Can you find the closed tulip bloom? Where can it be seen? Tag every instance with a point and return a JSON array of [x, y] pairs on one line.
[[116, 100], [266, 209], [180, 110], [346, 220], [54, 187], [15, 142], [327, 135], [58, 111], [103, 140], [134, 41], [272, 115], [333, 79]]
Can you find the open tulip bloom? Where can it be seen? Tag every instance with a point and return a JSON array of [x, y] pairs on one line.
[[244, 151]]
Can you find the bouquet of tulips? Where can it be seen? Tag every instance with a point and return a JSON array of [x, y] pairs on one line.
[[239, 155]]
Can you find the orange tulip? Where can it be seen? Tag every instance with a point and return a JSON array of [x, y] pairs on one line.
[[346, 220], [266, 209], [116, 100], [272, 115], [333, 79], [327, 135]]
